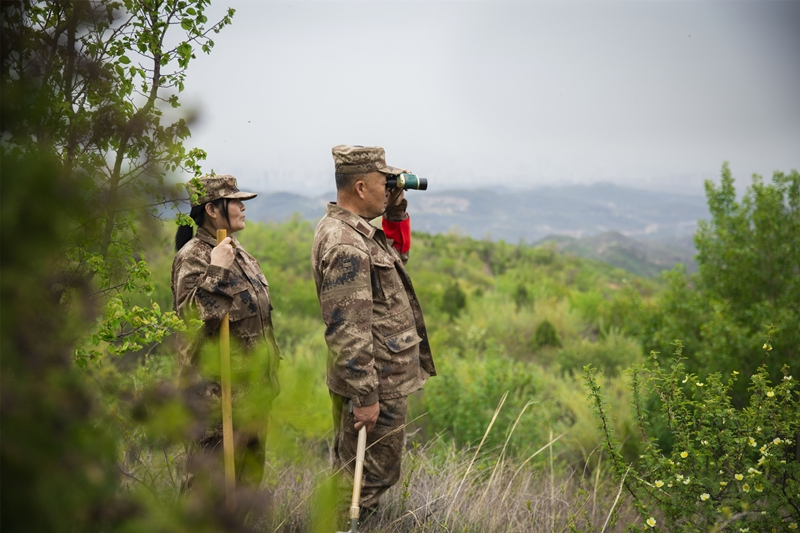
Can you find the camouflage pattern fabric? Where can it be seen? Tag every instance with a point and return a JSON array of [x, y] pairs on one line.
[[384, 454], [378, 344], [215, 187], [242, 292], [361, 160]]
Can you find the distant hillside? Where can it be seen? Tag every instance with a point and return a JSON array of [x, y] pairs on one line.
[[652, 231], [644, 258]]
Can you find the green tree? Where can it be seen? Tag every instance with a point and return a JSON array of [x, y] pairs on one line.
[[89, 83], [84, 149], [748, 278], [454, 300]]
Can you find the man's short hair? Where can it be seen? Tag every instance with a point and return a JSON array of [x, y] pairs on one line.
[[345, 182]]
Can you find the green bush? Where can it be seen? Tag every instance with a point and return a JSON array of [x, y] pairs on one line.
[[610, 354], [546, 335], [454, 300], [729, 466], [461, 400]]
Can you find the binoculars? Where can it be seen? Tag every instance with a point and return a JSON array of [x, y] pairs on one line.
[[407, 181]]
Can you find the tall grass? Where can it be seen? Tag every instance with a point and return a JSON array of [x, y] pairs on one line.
[[444, 488]]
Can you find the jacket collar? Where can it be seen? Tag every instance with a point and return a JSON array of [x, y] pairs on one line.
[[207, 238], [352, 220]]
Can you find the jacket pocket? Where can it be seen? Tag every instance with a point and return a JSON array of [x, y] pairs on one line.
[[244, 304], [402, 341], [386, 283]]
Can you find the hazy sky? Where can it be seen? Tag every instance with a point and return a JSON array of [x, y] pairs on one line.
[[655, 94]]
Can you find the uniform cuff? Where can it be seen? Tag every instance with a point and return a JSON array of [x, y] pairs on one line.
[[363, 401], [217, 280]]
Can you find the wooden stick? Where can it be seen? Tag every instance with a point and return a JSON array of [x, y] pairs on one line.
[[227, 409], [355, 506]]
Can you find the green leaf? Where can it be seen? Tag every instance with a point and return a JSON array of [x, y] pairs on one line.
[[124, 60], [187, 24]]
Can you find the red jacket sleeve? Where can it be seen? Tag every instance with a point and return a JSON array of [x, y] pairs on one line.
[[399, 232]]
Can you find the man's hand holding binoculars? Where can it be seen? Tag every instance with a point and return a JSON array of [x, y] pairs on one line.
[[396, 210]]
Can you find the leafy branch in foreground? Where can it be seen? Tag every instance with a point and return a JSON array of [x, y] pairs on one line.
[[94, 84], [728, 465]]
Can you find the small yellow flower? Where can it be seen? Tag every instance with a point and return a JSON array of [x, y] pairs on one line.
[[746, 487], [760, 487], [752, 470], [704, 442], [723, 483], [679, 477], [776, 440], [735, 372], [669, 485], [651, 522], [684, 455], [705, 496], [699, 384], [793, 525], [770, 394], [787, 378], [659, 483], [687, 480], [739, 477], [752, 442]]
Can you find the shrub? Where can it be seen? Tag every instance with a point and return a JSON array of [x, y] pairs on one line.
[[728, 466], [546, 335], [454, 300], [610, 354]]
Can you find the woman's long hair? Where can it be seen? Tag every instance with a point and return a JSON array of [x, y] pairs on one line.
[[198, 214]]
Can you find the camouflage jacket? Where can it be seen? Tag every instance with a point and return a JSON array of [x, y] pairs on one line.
[[211, 292], [378, 345]]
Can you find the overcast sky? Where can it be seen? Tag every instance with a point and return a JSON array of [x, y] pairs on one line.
[[655, 94]]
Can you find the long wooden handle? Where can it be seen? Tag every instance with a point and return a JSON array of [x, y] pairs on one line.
[[355, 507], [227, 409]]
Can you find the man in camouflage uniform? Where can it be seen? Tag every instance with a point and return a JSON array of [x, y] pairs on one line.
[[378, 345]]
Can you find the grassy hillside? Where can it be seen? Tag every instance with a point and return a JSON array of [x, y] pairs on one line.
[[509, 325]]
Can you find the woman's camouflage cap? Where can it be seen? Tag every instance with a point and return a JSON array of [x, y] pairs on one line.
[[215, 187], [353, 159]]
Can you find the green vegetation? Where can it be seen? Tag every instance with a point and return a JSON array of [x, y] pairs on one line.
[[720, 427], [748, 278], [503, 439]]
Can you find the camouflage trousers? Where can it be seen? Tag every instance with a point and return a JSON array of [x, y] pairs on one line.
[[382, 460], [204, 453]]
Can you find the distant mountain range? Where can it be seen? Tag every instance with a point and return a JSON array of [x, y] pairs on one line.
[[641, 257], [642, 231]]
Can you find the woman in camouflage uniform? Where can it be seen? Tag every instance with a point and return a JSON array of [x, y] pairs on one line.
[[210, 281]]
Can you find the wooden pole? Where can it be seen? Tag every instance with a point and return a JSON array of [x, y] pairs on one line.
[[355, 506], [227, 409]]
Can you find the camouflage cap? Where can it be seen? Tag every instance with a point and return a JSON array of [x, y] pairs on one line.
[[218, 186], [361, 160]]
